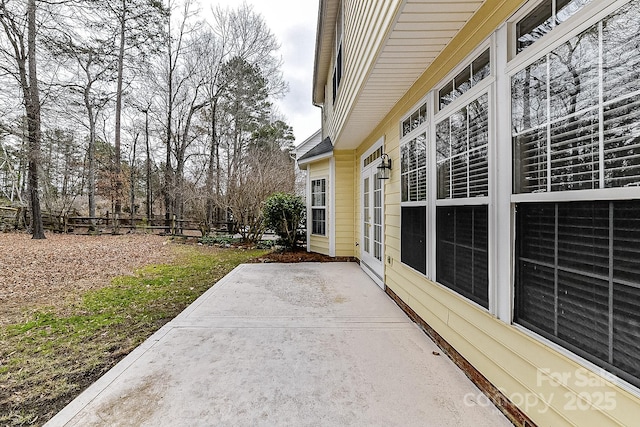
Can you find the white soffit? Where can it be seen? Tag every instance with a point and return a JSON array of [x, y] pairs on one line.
[[423, 30]]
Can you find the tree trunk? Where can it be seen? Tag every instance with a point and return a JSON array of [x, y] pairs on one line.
[[132, 176], [91, 159], [118, 156], [168, 176], [33, 117], [212, 157], [148, 178]]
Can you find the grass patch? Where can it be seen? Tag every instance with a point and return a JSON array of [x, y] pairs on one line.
[[57, 352]]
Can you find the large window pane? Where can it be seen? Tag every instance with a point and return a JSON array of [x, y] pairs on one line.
[[319, 221], [578, 279], [543, 19], [626, 242], [575, 153], [591, 90], [584, 315], [413, 237], [626, 323], [530, 161], [621, 51], [318, 203], [529, 97], [573, 79], [583, 237], [414, 169], [462, 149], [478, 173], [622, 143], [462, 251], [443, 153]]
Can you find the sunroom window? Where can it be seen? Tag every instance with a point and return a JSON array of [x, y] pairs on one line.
[[578, 279], [462, 247], [472, 74], [576, 128], [414, 169], [576, 122], [462, 165], [462, 145], [413, 165], [543, 19]]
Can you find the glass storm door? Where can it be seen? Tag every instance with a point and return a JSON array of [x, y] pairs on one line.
[[372, 249]]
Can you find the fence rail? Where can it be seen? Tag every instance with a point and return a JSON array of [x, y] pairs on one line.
[[17, 218]]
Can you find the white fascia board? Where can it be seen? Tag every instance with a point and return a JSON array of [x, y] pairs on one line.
[[303, 164]]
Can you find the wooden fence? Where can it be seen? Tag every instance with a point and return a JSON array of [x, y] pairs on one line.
[[17, 219]]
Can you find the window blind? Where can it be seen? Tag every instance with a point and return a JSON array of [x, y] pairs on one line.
[[579, 102], [462, 251], [578, 279], [413, 237], [462, 151]]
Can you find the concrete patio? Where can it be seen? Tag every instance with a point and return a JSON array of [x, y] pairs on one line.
[[286, 345]]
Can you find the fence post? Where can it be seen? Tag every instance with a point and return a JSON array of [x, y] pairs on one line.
[[116, 223], [173, 226]]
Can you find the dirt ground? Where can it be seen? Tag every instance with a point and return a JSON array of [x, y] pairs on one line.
[[34, 273]]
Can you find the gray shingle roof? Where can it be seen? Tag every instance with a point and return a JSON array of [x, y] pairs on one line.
[[323, 147]]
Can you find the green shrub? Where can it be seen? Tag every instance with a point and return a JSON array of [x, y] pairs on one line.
[[218, 240], [283, 213]]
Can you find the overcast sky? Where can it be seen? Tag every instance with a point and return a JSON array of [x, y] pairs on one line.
[[294, 24]]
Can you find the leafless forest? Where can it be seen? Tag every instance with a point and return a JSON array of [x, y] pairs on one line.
[[147, 108]]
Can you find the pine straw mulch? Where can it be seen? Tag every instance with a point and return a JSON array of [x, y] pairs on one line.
[[299, 255]]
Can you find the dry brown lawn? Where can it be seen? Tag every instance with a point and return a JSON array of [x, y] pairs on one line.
[[35, 273]]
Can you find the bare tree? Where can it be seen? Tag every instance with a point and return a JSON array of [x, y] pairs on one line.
[[139, 30], [17, 28]]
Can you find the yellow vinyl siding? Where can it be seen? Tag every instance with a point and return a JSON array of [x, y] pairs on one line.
[[366, 25], [508, 357], [345, 223], [318, 170]]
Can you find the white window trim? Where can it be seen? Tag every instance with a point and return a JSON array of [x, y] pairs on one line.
[[501, 209], [325, 207], [331, 221], [489, 86]]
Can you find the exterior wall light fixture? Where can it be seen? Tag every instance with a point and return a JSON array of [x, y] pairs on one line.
[[384, 168]]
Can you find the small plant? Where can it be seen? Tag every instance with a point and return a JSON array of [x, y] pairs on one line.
[[265, 244], [283, 213], [222, 240]]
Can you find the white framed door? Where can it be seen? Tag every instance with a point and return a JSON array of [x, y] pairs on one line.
[[372, 217]]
